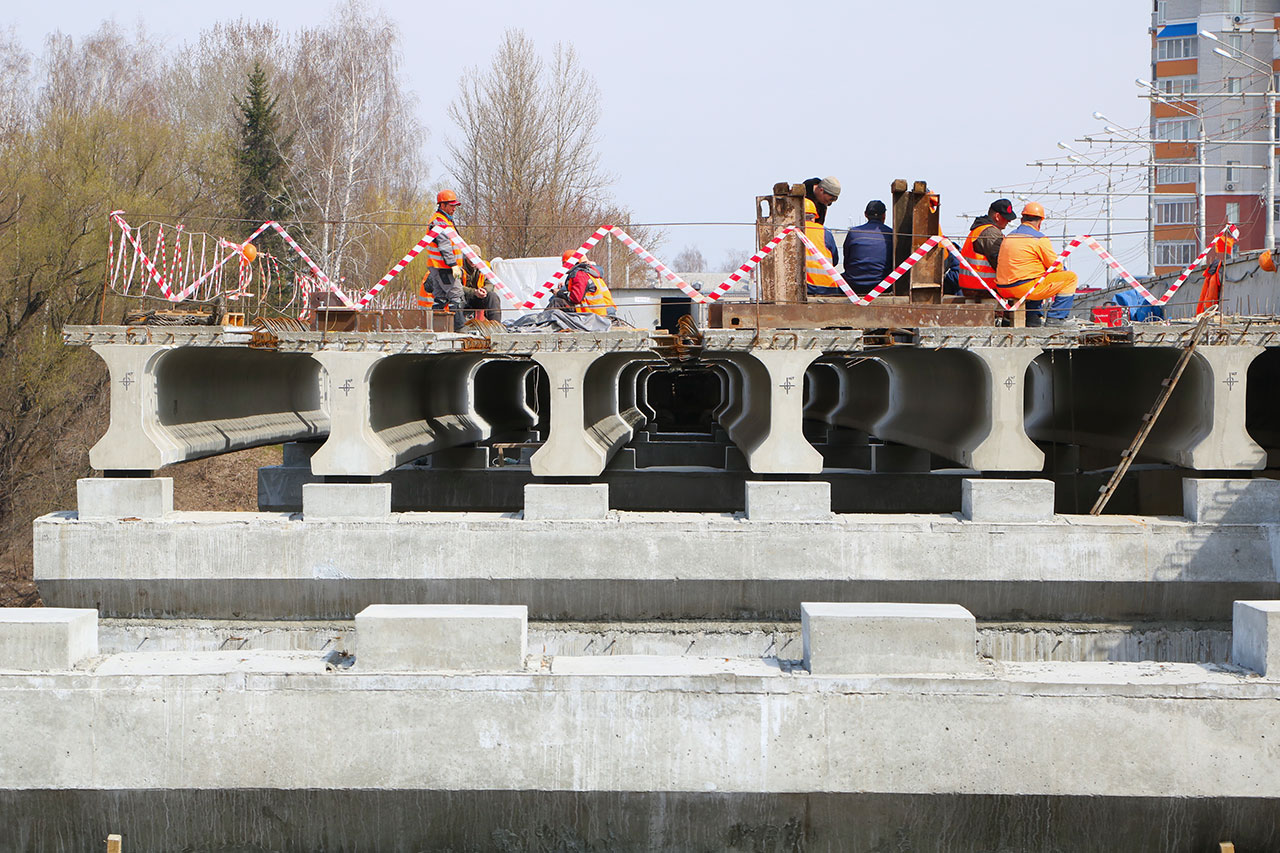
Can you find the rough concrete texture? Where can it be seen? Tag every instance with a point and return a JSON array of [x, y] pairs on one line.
[[566, 502], [436, 637], [848, 639], [124, 497], [1056, 729], [1255, 636], [651, 565], [346, 500], [773, 501], [1006, 500], [1231, 501], [46, 638]]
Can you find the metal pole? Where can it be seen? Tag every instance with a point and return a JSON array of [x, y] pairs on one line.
[[1108, 269], [1271, 162], [1202, 191]]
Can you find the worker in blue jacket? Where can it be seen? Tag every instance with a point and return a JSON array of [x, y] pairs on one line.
[[868, 250]]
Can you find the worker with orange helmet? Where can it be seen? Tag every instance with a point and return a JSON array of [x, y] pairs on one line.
[[441, 287], [1025, 255], [584, 289], [816, 280]]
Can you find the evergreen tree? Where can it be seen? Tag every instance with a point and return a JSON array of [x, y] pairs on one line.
[[262, 167]]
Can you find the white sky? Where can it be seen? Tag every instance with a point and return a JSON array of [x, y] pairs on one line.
[[707, 104]]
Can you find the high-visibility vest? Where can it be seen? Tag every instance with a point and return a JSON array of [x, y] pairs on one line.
[[977, 260], [813, 273], [597, 299], [425, 299], [435, 259]]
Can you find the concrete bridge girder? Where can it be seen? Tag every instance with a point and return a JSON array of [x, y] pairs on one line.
[[766, 411], [1202, 427], [587, 424], [390, 409], [172, 404]]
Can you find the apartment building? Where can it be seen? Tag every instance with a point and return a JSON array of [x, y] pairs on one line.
[[1218, 103]]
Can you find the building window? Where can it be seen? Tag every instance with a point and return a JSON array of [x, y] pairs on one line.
[[1180, 212], [1234, 86], [1233, 128], [1233, 212], [1175, 254], [1176, 174], [1162, 11], [1235, 44], [1175, 129], [1178, 85], [1231, 172], [1235, 7], [1177, 48]]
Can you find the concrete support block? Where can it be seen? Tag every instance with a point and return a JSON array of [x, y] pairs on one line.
[[1231, 501], [124, 497], [1006, 500], [1255, 636], [46, 638], [770, 501], [566, 502], [435, 637], [865, 638], [346, 500]]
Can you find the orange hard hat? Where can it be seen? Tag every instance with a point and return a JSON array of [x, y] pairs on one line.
[[1033, 209], [1267, 262], [446, 197], [568, 253]]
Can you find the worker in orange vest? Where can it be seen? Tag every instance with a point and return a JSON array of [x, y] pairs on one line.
[[584, 289], [1025, 255], [816, 280], [982, 249], [441, 287]]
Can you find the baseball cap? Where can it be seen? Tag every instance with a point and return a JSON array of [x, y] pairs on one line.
[[875, 207], [1004, 207]]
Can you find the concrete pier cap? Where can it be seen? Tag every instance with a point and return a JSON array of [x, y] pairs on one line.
[[876, 638], [441, 637], [1255, 636], [46, 638]]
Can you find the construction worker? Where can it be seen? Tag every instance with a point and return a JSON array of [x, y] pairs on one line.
[[822, 192], [982, 249], [816, 280], [868, 250], [444, 288], [1025, 254], [584, 289], [481, 301]]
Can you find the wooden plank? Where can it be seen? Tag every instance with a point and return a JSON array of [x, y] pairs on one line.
[[843, 314], [114, 844]]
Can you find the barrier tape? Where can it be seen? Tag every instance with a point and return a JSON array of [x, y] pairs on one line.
[[1230, 229]]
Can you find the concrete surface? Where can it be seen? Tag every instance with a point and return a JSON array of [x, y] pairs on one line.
[[652, 565], [1255, 636], [124, 497], [776, 501], [346, 500], [1231, 501], [46, 638], [848, 639], [436, 637], [1006, 500], [566, 502]]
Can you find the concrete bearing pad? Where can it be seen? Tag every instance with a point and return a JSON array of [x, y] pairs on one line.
[[1231, 501], [1006, 500], [346, 500], [571, 502], [1255, 636], [847, 639], [435, 637], [124, 497], [46, 638], [769, 501]]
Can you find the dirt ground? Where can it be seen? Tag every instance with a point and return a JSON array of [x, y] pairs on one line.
[[220, 483]]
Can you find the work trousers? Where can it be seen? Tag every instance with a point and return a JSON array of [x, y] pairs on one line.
[[446, 291], [1059, 286]]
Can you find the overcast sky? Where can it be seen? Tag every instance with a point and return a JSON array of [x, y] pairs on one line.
[[707, 104]]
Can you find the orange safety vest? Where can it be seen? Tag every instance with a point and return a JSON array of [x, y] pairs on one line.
[[435, 259], [977, 260], [597, 299], [813, 272]]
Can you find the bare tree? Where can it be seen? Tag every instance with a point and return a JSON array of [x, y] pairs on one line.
[[524, 154], [355, 154], [689, 260]]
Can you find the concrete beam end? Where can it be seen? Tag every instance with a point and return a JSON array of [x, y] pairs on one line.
[[442, 637], [1006, 500], [566, 502], [1242, 501], [1255, 636], [124, 497], [346, 500], [46, 638], [777, 501], [879, 638]]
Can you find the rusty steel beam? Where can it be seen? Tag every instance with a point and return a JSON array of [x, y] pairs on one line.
[[782, 272], [827, 315]]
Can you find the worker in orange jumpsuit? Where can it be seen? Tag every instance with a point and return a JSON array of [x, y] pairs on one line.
[[1025, 255], [1211, 290], [441, 287], [584, 289]]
